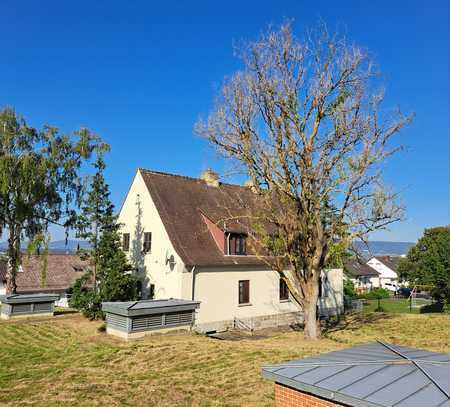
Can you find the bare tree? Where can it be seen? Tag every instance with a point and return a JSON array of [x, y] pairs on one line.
[[303, 120]]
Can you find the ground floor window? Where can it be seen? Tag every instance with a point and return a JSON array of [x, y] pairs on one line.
[[244, 291], [284, 290], [152, 291]]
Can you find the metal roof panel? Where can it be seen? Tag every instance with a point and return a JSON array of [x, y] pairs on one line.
[[375, 374]]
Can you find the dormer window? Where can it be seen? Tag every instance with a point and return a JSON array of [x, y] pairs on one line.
[[236, 244]]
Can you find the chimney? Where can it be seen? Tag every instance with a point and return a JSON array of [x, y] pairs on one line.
[[249, 184], [210, 177]]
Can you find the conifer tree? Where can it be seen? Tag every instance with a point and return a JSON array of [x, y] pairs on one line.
[[109, 275]]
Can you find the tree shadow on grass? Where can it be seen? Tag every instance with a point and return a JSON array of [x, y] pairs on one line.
[[64, 311], [353, 322]]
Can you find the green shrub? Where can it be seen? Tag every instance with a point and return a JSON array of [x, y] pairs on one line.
[[349, 289], [376, 294]]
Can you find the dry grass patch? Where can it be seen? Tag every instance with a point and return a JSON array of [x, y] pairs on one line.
[[65, 360]]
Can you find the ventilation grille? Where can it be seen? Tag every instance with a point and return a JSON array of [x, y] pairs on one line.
[[144, 323], [116, 320], [21, 308], [43, 307], [176, 318]]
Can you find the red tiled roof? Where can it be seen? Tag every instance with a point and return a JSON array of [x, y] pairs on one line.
[[61, 272], [181, 201]]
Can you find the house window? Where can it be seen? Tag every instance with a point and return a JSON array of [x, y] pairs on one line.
[[152, 291], [244, 291], [126, 242], [237, 244], [284, 291], [147, 247]]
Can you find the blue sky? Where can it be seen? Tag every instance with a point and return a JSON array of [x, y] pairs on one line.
[[141, 73]]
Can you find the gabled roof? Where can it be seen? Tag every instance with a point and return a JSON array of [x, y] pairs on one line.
[[181, 201], [356, 268], [371, 375], [389, 261], [61, 272]]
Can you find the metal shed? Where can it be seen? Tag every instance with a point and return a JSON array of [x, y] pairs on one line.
[[134, 319], [372, 375], [27, 305]]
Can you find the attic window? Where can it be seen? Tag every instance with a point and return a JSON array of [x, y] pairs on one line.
[[236, 244], [147, 246]]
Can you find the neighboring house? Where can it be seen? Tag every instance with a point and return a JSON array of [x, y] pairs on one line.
[[364, 277], [58, 276], [175, 232], [387, 268]]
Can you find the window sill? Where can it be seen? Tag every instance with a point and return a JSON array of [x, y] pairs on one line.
[[247, 304], [286, 300]]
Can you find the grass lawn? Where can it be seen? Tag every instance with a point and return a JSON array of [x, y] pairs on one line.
[[66, 361], [398, 305]]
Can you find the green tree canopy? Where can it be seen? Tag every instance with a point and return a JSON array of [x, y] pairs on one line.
[[40, 181], [428, 262]]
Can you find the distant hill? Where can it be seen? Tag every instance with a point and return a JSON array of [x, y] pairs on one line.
[[376, 248], [57, 246], [383, 248]]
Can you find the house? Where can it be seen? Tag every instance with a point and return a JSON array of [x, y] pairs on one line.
[[180, 236], [376, 374], [59, 274], [386, 266], [364, 277]]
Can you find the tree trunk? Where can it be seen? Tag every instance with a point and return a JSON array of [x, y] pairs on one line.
[[13, 262], [311, 321]]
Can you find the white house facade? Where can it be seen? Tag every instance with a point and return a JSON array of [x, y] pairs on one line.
[[173, 232], [386, 266]]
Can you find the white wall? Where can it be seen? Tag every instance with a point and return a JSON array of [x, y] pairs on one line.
[[2, 289], [334, 289], [218, 292], [152, 266], [366, 283]]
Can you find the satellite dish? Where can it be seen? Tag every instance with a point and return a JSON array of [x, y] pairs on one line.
[[170, 260]]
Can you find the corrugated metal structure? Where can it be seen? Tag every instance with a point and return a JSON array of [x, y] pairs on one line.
[[27, 305], [372, 375], [135, 318]]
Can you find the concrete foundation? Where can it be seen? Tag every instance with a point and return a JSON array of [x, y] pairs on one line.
[[137, 335], [254, 323], [26, 316]]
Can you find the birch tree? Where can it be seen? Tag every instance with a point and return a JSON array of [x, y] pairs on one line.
[[40, 182], [304, 120]]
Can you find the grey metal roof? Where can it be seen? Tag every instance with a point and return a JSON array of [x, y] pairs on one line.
[[372, 375], [146, 307], [28, 298]]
